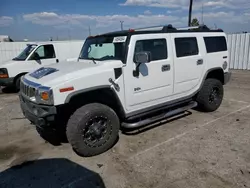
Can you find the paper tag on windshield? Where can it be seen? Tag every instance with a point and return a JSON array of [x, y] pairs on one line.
[[119, 39]]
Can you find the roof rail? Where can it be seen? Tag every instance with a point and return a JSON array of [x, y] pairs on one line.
[[201, 27], [186, 28], [166, 28], [158, 27]]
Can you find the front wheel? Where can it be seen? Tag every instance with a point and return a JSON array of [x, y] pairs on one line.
[[211, 95], [93, 129], [17, 84]]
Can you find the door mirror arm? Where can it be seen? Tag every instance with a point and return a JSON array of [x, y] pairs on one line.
[[136, 71]]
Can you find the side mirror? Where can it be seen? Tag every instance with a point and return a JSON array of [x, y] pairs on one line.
[[142, 57], [36, 56]]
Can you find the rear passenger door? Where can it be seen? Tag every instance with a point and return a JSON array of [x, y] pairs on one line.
[[188, 62]]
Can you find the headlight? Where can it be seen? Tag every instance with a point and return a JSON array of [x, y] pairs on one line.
[[44, 95], [4, 73]]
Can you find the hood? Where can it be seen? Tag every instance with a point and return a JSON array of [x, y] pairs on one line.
[[65, 71], [6, 64]]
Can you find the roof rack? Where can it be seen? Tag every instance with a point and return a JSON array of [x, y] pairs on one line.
[[167, 28], [155, 28]]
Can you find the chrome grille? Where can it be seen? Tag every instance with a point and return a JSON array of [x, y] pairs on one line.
[[27, 90]]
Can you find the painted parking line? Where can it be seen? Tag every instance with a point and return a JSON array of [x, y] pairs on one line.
[[185, 133], [232, 100]]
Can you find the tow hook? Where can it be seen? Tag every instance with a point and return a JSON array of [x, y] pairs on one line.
[[116, 86]]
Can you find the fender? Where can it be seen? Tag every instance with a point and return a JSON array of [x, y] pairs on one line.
[[117, 105]]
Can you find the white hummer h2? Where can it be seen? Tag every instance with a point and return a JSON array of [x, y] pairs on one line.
[[126, 80]]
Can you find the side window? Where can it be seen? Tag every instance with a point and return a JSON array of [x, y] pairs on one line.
[[40, 51], [186, 46], [157, 48], [44, 52], [215, 44]]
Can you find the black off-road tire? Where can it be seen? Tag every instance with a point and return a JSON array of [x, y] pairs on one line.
[[205, 95], [79, 126], [17, 84]]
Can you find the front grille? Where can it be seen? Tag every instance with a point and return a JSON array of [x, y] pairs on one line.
[[27, 90]]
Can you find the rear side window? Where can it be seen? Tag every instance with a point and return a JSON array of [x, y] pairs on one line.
[[157, 48], [186, 46], [215, 44]]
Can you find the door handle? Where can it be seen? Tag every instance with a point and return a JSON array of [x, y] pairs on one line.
[[165, 68], [199, 61], [57, 60]]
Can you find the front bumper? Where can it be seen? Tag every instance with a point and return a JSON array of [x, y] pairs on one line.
[[6, 81], [40, 115], [227, 77]]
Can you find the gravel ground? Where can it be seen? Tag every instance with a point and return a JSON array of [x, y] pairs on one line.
[[203, 150]]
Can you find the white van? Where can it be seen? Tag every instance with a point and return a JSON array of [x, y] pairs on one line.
[[35, 56]]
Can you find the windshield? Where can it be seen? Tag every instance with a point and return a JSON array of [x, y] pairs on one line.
[[104, 48], [25, 53]]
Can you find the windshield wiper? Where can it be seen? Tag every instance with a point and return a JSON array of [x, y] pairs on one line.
[[93, 59]]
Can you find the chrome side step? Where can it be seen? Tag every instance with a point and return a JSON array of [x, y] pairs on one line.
[[159, 117]]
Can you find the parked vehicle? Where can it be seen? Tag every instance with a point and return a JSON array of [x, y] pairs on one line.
[[127, 80], [35, 56]]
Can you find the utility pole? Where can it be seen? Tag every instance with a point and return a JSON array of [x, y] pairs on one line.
[[69, 32], [190, 13], [89, 31], [202, 14], [122, 25]]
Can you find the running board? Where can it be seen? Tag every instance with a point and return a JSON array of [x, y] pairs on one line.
[[159, 117]]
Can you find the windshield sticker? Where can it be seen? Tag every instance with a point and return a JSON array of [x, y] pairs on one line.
[[119, 39]]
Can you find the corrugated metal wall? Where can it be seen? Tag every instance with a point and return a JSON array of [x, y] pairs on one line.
[[238, 46], [9, 50], [239, 50]]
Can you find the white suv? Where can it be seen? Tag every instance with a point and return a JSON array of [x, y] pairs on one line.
[[126, 80]]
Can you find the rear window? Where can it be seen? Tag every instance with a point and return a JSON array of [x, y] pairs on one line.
[[215, 44], [186, 46]]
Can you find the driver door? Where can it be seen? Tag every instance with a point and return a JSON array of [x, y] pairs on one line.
[[155, 81], [44, 55]]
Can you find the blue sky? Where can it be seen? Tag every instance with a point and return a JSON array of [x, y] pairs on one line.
[[39, 20]]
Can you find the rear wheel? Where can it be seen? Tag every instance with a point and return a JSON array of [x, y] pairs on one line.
[[93, 129], [211, 95]]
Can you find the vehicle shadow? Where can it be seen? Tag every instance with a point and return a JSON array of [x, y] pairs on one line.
[[155, 125], [56, 172], [7, 90]]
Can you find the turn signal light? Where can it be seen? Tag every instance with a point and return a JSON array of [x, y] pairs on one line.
[[45, 96], [66, 89], [4, 76]]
